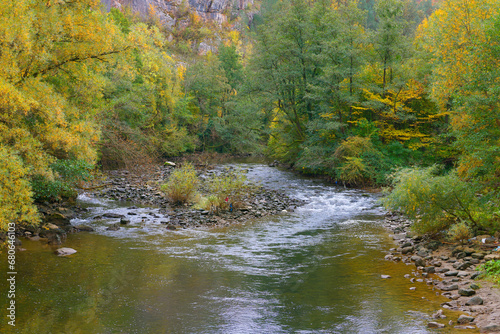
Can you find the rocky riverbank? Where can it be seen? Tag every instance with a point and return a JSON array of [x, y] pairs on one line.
[[123, 185], [451, 270], [143, 189]]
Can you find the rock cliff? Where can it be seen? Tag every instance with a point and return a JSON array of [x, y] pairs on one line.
[[216, 10]]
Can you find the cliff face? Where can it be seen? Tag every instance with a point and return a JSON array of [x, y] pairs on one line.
[[216, 10]]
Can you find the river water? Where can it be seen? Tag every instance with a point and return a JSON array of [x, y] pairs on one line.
[[316, 270]]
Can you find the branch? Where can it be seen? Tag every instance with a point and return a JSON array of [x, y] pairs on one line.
[[75, 59]]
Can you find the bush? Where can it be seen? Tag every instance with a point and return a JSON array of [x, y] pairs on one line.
[[358, 162], [72, 172], [231, 185], [68, 175], [492, 269], [48, 190], [460, 232], [182, 184], [353, 171], [433, 202]]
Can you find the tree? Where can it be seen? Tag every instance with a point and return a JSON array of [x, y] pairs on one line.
[[451, 35], [50, 89]]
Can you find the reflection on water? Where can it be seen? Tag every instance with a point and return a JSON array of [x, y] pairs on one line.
[[316, 270]]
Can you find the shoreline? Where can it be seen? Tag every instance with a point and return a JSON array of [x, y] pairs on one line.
[[450, 270], [447, 269], [143, 188]]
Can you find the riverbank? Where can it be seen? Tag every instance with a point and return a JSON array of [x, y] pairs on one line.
[[450, 270]]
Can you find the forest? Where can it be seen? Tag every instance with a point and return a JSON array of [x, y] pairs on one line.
[[400, 94]]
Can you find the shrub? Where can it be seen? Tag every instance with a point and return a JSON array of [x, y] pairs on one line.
[[492, 269], [460, 232], [67, 175], [353, 171], [358, 162], [433, 202], [182, 184], [48, 190], [72, 172], [231, 185]]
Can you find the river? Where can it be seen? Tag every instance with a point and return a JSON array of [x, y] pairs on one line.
[[316, 270]]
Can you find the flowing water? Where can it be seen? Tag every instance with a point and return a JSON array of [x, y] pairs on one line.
[[316, 270]]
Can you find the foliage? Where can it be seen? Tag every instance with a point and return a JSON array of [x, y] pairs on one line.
[[51, 190], [67, 174], [72, 172], [182, 184], [492, 269], [229, 187], [434, 202], [16, 197], [460, 232], [321, 78], [358, 161]]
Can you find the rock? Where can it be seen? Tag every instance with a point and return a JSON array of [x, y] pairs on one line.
[[433, 245], [434, 324], [465, 319], [113, 227], [65, 251], [422, 253], [469, 251], [450, 287], [478, 256], [442, 270], [476, 274], [419, 262], [52, 226], [490, 257], [490, 328], [462, 266], [474, 286], [84, 228], [57, 219], [439, 315], [113, 215], [400, 236], [385, 276], [476, 300], [466, 292], [67, 213], [169, 163], [406, 250], [171, 227], [457, 250], [451, 273], [429, 270], [124, 221]]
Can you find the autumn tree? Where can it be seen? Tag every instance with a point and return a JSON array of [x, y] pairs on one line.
[[51, 53]]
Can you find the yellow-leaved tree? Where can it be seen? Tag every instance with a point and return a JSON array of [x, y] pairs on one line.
[[452, 35], [51, 56]]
